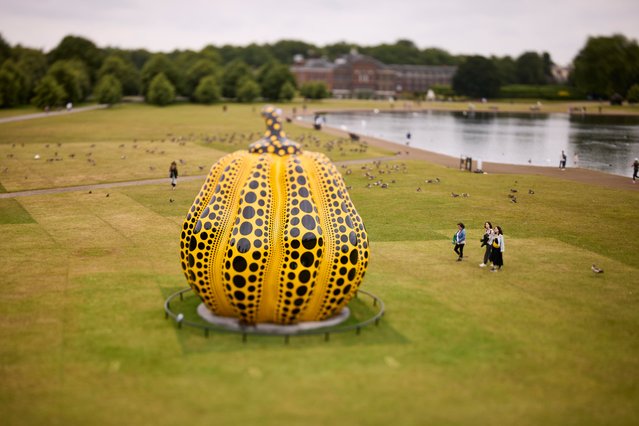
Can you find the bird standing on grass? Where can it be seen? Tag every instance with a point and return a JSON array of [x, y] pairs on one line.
[[596, 270]]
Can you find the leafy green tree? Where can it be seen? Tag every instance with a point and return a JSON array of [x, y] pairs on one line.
[[606, 65], [274, 79], [108, 90], [5, 50], [33, 64], [124, 71], [255, 55], [287, 92], [72, 76], [9, 89], [208, 90], [161, 92], [248, 90], [139, 57], [212, 54], [477, 77], [633, 94], [284, 50], [14, 84], [197, 71], [506, 69], [159, 64], [48, 93], [434, 56], [548, 63], [233, 73], [78, 48], [335, 50], [229, 53], [402, 52], [530, 69]]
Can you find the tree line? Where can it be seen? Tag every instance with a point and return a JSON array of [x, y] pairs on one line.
[[76, 69]]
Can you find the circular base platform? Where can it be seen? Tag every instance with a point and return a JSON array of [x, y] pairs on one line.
[[270, 328], [208, 322]]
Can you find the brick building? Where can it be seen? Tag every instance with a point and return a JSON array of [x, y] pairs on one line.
[[356, 75]]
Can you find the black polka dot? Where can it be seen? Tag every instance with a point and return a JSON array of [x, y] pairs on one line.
[[239, 281], [306, 206], [309, 241], [246, 228], [243, 245], [239, 264], [239, 295], [250, 197], [248, 212], [301, 290], [304, 276], [307, 259], [308, 222]]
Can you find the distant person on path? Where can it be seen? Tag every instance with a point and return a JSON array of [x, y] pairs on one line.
[[635, 166], [487, 240], [562, 160], [173, 174], [408, 136], [575, 159], [69, 106], [497, 252], [460, 240]]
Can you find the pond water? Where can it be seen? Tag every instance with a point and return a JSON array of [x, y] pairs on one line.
[[606, 143]]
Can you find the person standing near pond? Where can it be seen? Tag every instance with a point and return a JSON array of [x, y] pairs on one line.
[[635, 167], [497, 252], [487, 240], [562, 161], [460, 241], [173, 174]]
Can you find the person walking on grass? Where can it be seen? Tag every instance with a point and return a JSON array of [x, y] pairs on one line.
[[487, 240], [173, 174], [497, 252], [635, 167], [460, 241]]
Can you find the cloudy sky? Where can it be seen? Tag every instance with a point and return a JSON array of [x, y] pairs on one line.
[[484, 27]]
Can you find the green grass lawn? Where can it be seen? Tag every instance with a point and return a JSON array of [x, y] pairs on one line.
[[83, 338]]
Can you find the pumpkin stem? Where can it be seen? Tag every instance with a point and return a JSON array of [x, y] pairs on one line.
[[274, 140]]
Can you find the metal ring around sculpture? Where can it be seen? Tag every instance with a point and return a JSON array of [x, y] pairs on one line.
[[208, 327]]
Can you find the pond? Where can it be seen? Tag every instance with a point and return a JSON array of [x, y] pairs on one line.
[[606, 143]]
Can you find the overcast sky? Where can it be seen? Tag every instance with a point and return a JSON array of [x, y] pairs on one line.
[[486, 27]]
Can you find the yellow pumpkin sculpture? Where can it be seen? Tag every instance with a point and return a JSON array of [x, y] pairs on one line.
[[273, 236]]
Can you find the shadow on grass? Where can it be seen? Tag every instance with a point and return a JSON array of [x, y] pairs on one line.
[[12, 212], [194, 340]]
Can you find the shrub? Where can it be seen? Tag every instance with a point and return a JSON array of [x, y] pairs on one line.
[[287, 92], [248, 90], [633, 94], [547, 91], [48, 93], [316, 90], [161, 91], [108, 90], [207, 90]]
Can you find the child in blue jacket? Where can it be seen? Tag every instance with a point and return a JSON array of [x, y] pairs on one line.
[[460, 241]]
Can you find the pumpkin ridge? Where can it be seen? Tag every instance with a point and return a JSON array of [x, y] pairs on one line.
[[226, 225], [273, 267]]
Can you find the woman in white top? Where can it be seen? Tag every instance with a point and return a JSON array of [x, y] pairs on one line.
[[487, 240], [497, 254]]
